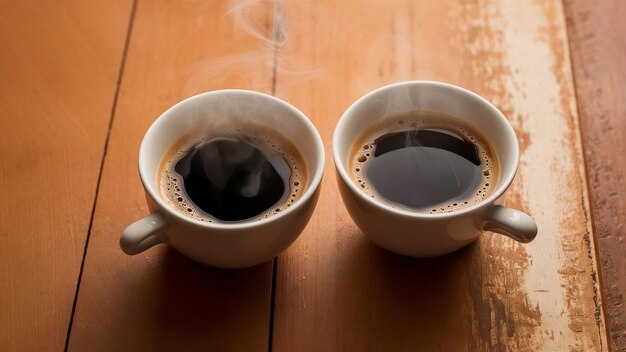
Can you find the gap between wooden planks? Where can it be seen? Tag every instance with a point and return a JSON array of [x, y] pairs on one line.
[[59, 64], [598, 47], [160, 300]]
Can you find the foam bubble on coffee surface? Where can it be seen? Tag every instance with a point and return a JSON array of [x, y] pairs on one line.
[[391, 124], [171, 184]]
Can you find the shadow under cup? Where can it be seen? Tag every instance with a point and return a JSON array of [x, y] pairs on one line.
[[243, 243], [409, 232]]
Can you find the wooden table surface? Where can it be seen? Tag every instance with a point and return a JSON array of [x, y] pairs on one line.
[[81, 81]]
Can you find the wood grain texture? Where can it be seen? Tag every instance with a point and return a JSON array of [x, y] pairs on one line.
[[336, 291], [160, 300], [59, 64], [597, 46]]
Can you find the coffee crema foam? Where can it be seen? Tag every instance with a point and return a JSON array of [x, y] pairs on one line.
[[268, 141], [362, 152]]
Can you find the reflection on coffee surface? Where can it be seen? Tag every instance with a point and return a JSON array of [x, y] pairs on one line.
[[425, 162], [232, 177]]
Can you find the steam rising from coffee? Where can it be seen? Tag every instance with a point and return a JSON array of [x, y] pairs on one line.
[[231, 175], [231, 179], [274, 63], [263, 65], [424, 162]]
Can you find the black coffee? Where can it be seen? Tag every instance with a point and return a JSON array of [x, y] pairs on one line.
[[424, 162], [232, 178]]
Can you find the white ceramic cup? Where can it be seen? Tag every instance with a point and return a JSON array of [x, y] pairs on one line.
[[227, 245], [418, 234]]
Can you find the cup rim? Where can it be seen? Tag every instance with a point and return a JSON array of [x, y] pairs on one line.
[[341, 169], [316, 172]]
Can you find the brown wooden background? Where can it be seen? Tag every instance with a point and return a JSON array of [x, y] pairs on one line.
[[81, 81]]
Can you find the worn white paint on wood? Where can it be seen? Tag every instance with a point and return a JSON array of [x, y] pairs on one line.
[[334, 288], [531, 81]]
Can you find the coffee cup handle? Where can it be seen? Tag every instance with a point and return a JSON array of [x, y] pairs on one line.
[[511, 223], [143, 234]]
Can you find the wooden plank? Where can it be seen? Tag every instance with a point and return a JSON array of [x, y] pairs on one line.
[[597, 47], [336, 291], [59, 64], [160, 300]]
